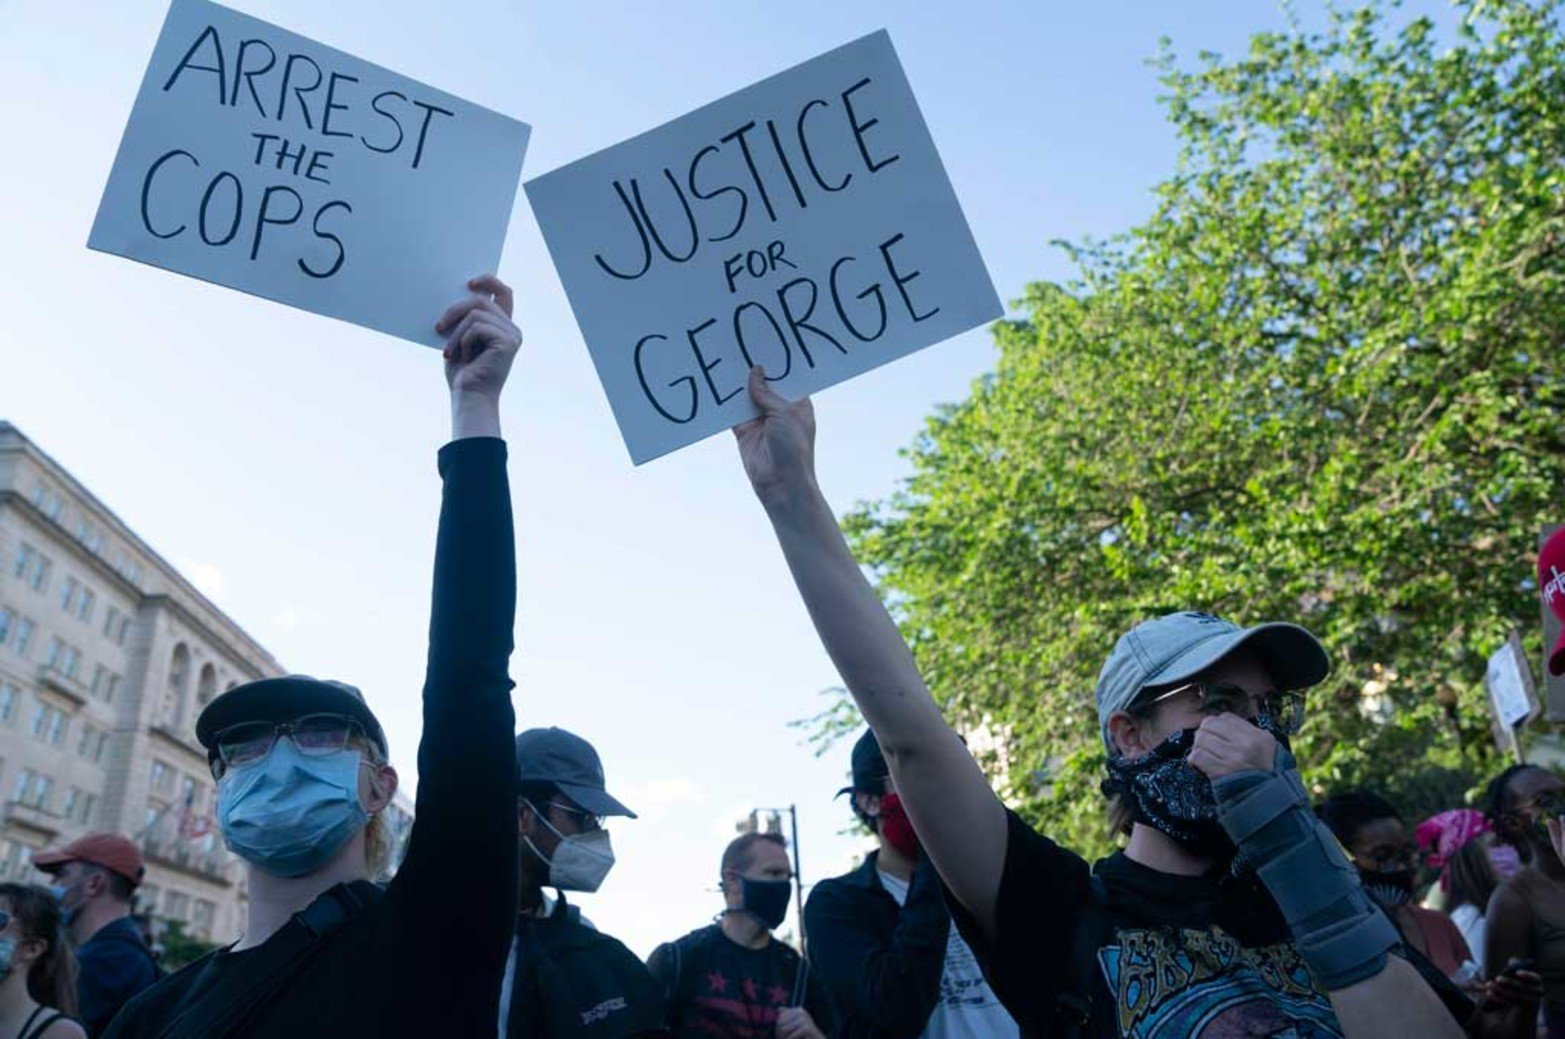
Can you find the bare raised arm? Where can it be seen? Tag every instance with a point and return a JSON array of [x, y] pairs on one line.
[[958, 817]]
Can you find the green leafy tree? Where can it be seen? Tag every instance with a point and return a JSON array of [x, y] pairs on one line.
[[179, 948], [1321, 383]]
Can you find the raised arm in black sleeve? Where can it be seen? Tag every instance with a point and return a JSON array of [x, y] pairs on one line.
[[458, 881], [884, 982]]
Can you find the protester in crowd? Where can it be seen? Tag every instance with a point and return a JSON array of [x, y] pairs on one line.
[[303, 779], [733, 979], [564, 978], [96, 877], [37, 968], [1227, 870], [1526, 918], [881, 939], [1376, 839], [1461, 847]]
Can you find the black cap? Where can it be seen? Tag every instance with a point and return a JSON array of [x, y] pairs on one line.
[[555, 756], [282, 699], [869, 766]]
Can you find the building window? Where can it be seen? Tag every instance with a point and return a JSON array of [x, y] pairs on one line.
[[89, 737], [69, 594], [84, 609], [11, 866], [147, 898], [206, 685], [124, 630], [33, 789], [63, 657], [110, 618], [104, 684], [10, 696], [162, 778], [88, 810], [205, 916], [50, 724], [174, 695], [72, 796], [32, 566], [176, 906], [7, 618], [24, 636]]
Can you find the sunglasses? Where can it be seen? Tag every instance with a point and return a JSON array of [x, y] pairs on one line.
[[1286, 709], [314, 735]]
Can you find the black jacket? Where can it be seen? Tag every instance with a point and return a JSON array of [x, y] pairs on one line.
[[880, 963], [573, 982]]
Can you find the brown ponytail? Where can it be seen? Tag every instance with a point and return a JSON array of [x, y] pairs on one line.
[[52, 980]]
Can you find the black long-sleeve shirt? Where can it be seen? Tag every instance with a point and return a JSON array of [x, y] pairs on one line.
[[427, 958], [880, 963]]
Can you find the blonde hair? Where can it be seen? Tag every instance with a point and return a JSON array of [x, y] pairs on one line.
[[378, 842]]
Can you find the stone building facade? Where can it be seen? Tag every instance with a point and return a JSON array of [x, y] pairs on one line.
[[107, 654]]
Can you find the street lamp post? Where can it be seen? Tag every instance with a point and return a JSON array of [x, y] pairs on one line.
[[773, 824]]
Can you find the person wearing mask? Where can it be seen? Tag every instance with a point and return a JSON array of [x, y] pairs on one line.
[[565, 979], [1226, 872], [303, 780], [733, 979], [37, 968], [96, 877], [1377, 841], [1461, 846], [881, 939], [1526, 919]]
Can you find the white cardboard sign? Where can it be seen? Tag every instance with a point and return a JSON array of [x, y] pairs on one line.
[[805, 224], [261, 160]]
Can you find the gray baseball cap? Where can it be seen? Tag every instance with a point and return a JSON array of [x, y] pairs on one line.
[[1179, 646], [555, 756]]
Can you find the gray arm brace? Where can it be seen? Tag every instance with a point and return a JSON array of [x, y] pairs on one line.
[[1340, 933]]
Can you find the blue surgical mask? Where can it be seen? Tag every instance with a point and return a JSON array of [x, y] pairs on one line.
[[7, 951], [290, 812]]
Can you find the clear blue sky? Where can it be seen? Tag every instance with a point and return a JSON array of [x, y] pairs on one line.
[[286, 461]]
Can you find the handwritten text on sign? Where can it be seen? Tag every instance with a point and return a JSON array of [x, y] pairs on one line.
[[259, 159], [804, 224]]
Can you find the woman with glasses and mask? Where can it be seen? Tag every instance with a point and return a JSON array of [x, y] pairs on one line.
[[1376, 839], [1231, 909], [37, 968], [303, 779], [1526, 918]]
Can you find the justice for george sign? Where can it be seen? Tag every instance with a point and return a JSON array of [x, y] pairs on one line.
[[804, 224], [261, 160]]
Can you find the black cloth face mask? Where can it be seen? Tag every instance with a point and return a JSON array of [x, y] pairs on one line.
[[767, 900], [1164, 791], [1389, 887]]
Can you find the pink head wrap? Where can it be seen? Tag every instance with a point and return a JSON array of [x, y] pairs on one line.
[[1444, 834]]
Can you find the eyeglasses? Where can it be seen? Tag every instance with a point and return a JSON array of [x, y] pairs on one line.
[[1286, 709], [589, 821], [1545, 803], [315, 735]]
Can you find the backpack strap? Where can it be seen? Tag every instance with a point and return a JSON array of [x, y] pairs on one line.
[[1073, 1006], [230, 1006]]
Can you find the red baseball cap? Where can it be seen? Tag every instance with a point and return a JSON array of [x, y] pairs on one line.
[[1551, 585], [109, 850]]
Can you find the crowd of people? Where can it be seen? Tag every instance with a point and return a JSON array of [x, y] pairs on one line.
[[1235, 907]]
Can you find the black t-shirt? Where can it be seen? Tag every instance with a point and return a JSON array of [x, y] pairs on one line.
[[716, 988], [1176, 956], [427, 957]]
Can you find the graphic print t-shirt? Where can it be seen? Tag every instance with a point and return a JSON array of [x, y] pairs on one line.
[[968, 1007], [1180, 957], [721, 990]]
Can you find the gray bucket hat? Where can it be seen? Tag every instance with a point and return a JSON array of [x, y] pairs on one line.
[[1179, 646]]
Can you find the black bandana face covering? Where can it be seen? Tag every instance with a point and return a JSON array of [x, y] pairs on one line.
[[1167, 793]]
